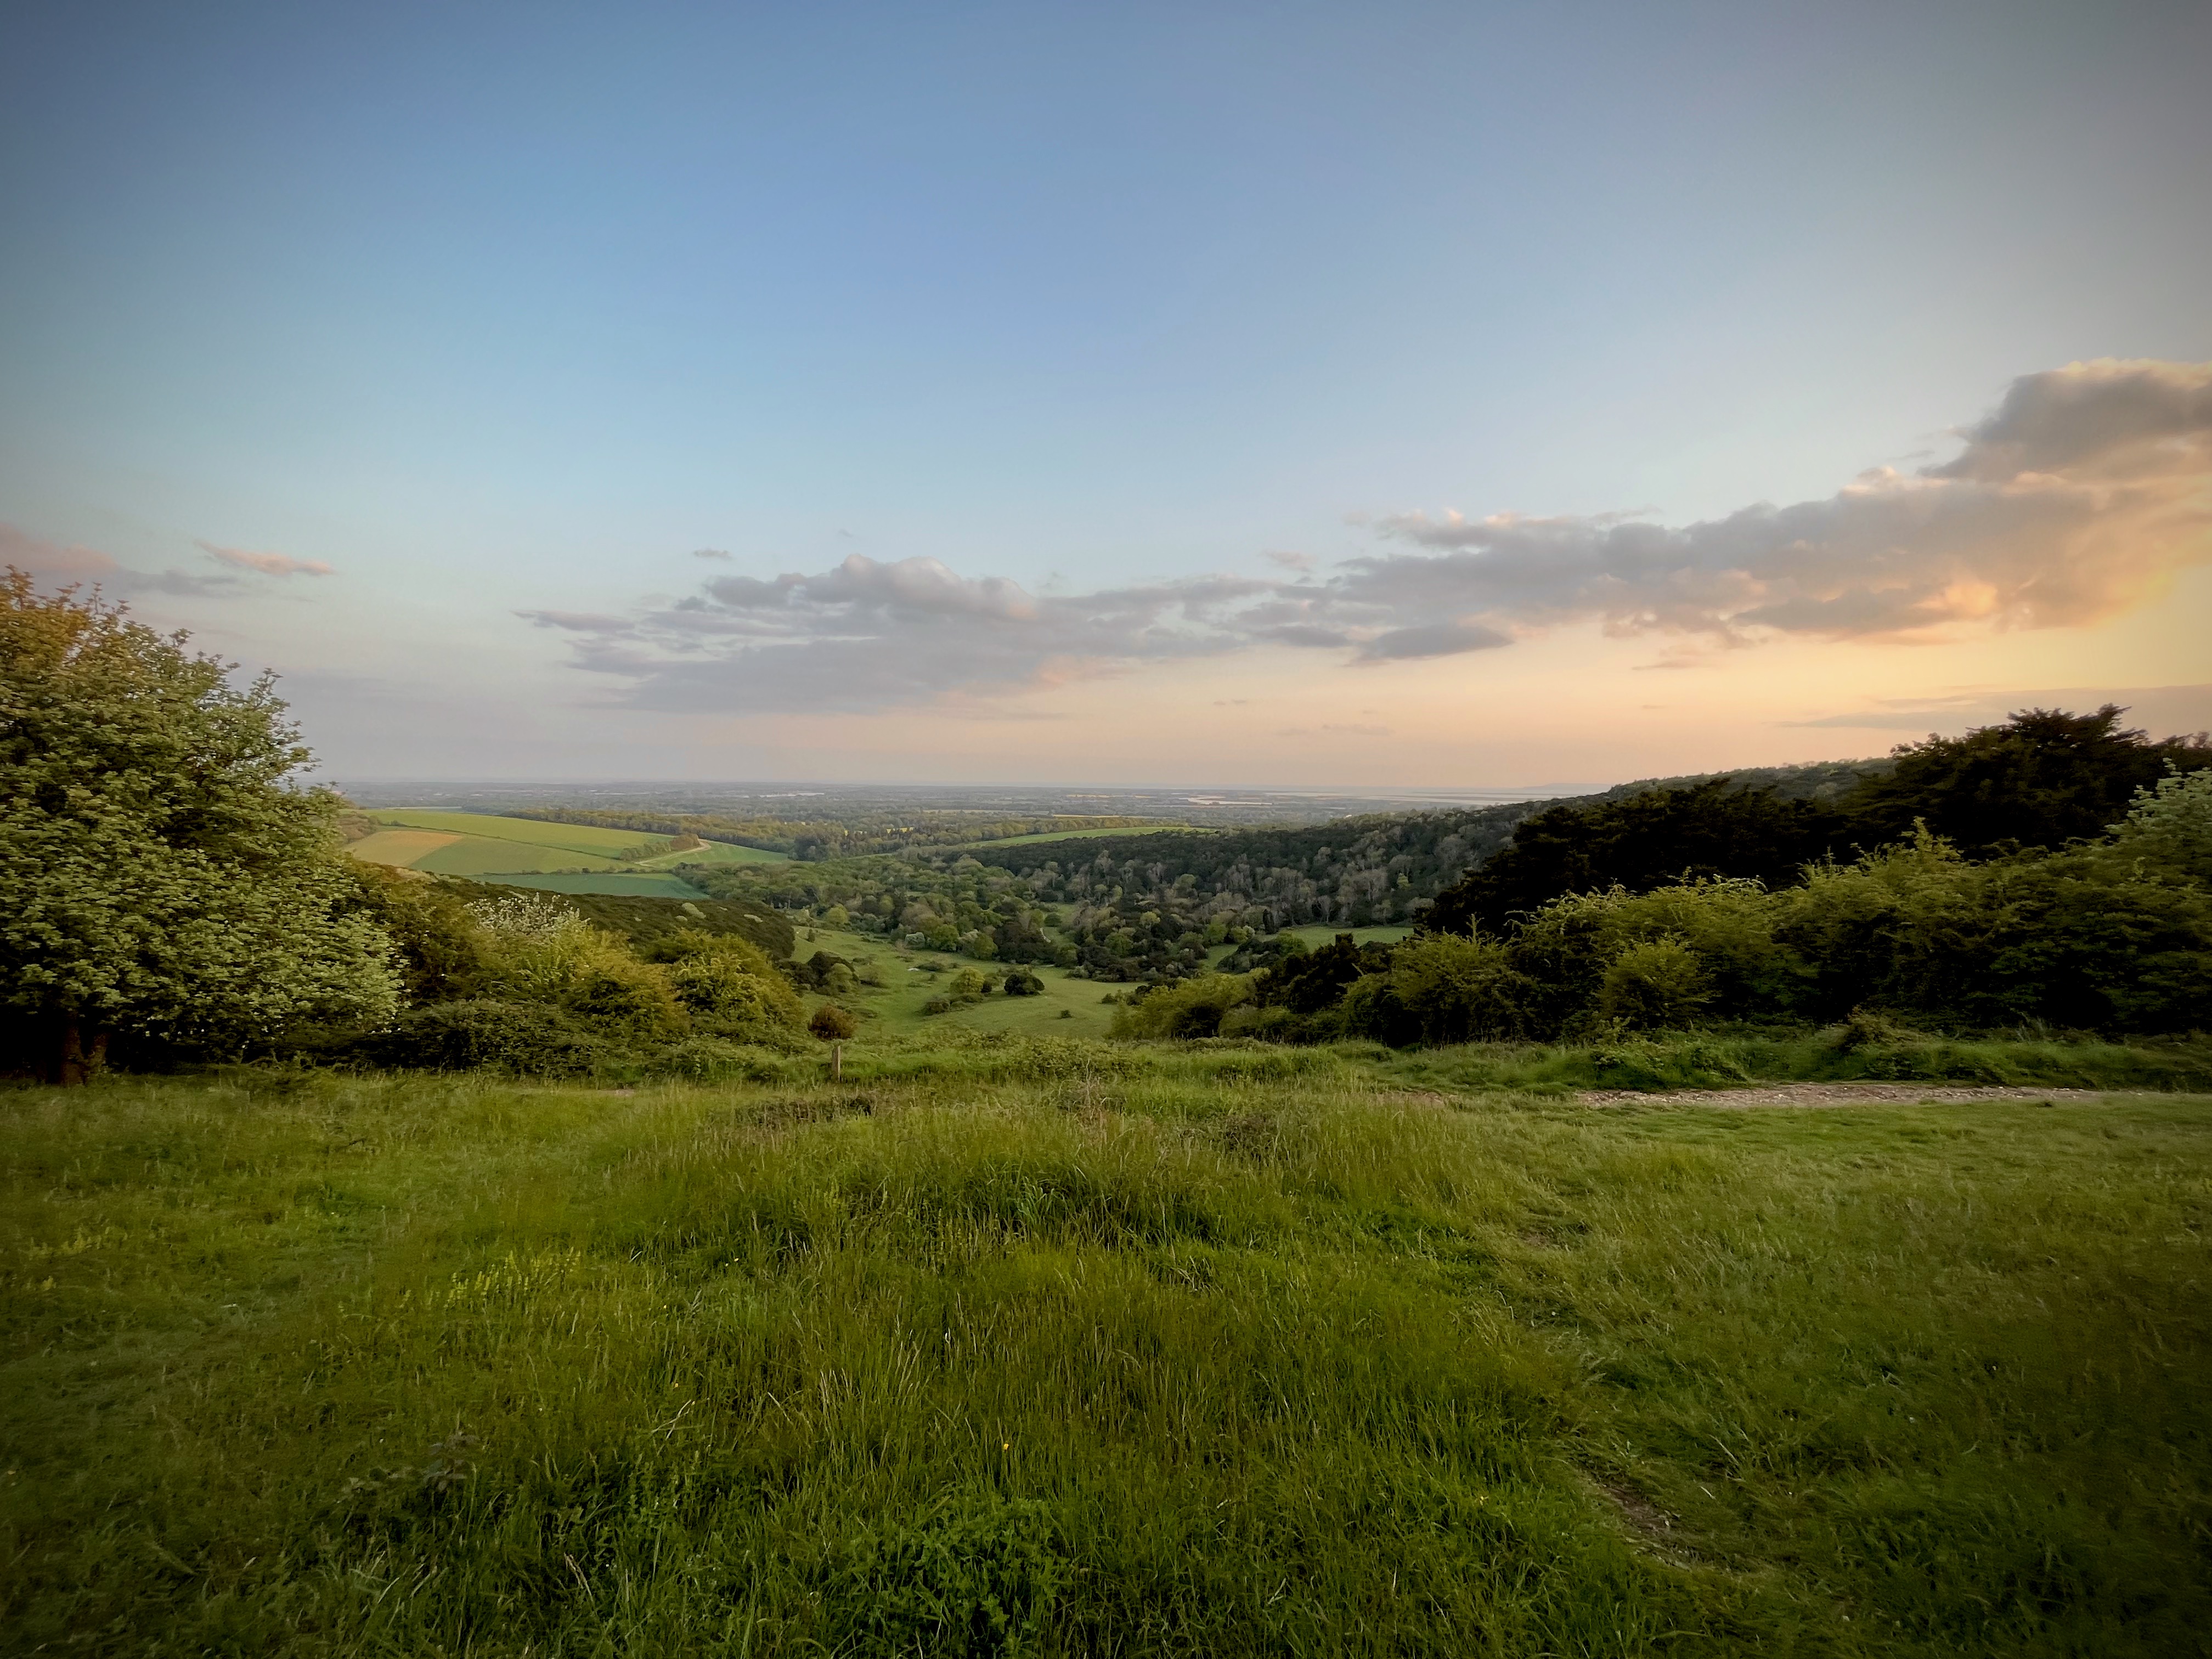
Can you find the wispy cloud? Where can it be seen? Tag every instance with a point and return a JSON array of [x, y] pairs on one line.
[[74, 563], [2081, 496], [268, 564], [2163, 708]]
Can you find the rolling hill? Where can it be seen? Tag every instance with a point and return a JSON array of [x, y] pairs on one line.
[[529, 853]]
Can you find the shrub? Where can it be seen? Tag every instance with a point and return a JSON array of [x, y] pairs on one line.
[[2170, 826], [526, 1037], [442, 950], [1458, 990], [594, 977], [1653, 983], [832, 1023], [729, 988], [1190, 1008], [1022, 983]]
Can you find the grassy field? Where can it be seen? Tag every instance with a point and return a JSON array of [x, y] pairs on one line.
[[569, 837], [1321, 933], [476, 844], [1021, 1346], [1066, 1006], [400, 848], [622, 883], [714, 851]]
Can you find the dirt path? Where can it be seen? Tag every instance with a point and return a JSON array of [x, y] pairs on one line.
[[1834, 1094]]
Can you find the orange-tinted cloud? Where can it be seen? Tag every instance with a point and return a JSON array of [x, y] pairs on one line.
[[2081, 497], [269, 564]]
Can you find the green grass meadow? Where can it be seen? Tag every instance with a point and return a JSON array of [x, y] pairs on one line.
[[1061, 1347], [478, 844], [1065, 1008]]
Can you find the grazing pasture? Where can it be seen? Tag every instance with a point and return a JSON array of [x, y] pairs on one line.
[[1010, 1345]]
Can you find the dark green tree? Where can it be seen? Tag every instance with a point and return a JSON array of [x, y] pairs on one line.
[[1643, 841], [2042, 779]]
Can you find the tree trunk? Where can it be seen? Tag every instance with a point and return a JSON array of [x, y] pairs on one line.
[[77, 1058], [837, 1062]]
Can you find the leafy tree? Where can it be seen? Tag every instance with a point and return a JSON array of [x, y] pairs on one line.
[[1646, 841], [166, 878], [1191, 1008], [2170, 826], [1309, 982], [2042, 779]]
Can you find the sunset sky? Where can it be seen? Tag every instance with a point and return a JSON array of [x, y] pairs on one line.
[[1388, 394]]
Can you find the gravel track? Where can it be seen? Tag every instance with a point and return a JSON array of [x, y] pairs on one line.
[[1835, 1094]]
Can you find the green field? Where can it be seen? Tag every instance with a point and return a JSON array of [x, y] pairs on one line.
[[714, 851], [620, 884], [476, 845], [1320, 934], [898, 1008], [571, 837], [1112, 1350]]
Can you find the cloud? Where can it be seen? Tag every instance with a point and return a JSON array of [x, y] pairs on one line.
[[74, 564], [2078, 499], [269, 564], [709, 553], [580, 621], [1289, 560], [1433, 640], [2081, 496], [867, 634], [2162, 708]]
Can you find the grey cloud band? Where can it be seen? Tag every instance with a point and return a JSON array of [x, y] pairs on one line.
[[2079, 498]]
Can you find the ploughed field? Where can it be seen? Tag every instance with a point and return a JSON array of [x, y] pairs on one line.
[[1028, 1346]]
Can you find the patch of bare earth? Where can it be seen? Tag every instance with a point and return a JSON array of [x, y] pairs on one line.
[[1650, 1525], [1835, 1094]]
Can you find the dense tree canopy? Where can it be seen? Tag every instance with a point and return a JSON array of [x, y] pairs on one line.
[[165, 877], [1663, 835], [2042, 779]]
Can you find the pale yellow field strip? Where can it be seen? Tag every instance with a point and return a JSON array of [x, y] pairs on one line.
[[399, 846]]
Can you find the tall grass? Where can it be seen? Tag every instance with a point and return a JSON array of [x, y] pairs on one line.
[[1071, 1349]]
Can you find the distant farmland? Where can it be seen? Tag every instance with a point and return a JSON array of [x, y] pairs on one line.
[[523, 852], [1067, 835]]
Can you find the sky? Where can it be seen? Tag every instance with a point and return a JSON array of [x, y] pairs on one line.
[[1198, 393]]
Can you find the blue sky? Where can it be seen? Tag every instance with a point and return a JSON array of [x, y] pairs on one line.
[[503, 313]]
